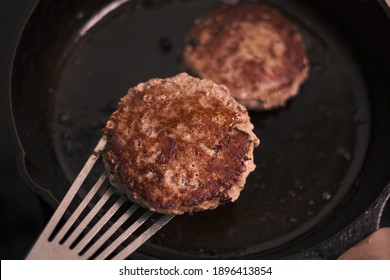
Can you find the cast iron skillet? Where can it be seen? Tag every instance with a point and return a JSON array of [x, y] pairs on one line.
[[323, 166]]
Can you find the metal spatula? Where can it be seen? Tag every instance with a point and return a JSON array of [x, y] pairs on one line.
[[89, 231]]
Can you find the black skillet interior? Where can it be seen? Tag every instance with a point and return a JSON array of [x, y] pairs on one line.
[[323, 159]]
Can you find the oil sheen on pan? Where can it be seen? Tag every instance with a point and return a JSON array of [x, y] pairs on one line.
[[312, 149]]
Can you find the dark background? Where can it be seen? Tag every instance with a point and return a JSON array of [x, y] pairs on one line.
[[21, 217]]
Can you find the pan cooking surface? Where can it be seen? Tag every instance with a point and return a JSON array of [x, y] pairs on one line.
[[311, 151]]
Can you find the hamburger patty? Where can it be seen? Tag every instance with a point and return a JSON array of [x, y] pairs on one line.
[[252, 49], [179, 145]]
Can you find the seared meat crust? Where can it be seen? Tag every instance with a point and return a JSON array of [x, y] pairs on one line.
[[252, 49], [179, 145]]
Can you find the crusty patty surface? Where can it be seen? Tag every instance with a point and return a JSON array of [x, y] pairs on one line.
[[179, 145], [252, 49]]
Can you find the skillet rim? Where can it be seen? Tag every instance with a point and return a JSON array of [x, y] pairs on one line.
[[22, 159]]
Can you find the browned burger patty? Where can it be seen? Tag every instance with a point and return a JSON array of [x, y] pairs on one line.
[[179, 144], [252, 49]]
